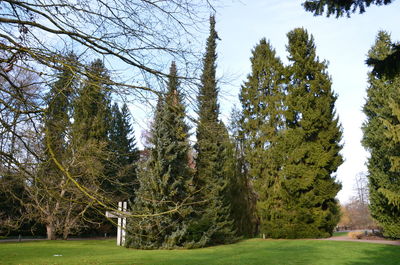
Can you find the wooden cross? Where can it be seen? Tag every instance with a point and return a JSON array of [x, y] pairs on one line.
[[121, 231]]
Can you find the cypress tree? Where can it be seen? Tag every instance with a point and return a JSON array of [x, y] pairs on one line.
[[382, 141], [262, 124], [165, 182], [212, 179], [125, 153], [310, 146]]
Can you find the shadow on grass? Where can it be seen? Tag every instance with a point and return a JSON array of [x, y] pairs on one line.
[[382, 255]]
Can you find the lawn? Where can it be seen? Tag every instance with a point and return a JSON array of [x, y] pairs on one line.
[[335, 234], [253, 251]]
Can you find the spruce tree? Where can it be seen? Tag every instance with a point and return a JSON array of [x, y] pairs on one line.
[[91, 145], [125, 153], [262, 124], [381, 138], [165, 192], [55, 190], [310, 146], [242, 192], [212, 176], [92, 105]]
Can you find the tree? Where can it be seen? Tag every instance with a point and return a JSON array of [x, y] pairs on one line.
[[138, 37], [125, 153], [380, 139], [310, 145], [90, 144], [340, 7], [16, 98], [52, 200], [262, 124], [356, 213], [244, 198], [212, 139], [165, 193]]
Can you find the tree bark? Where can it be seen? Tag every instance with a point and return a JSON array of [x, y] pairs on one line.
[[51, 235]]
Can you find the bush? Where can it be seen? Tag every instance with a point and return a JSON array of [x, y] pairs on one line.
[[356, 234]]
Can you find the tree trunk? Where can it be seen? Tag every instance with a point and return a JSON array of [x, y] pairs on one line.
[[51, 235]]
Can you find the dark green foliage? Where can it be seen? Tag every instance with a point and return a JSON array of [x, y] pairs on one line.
[[381, 138], [213, 174], [291, 138], [262, 122], [93, 161], [12, 197], [311, 144], [92, 105], [124, 152], [52, 189], [165, 193], [388, 66], [243, 196], [340, 7], [91, 127]]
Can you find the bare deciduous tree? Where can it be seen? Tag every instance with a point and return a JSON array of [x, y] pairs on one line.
[[136, 39]]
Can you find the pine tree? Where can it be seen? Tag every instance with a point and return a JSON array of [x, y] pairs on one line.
[[212, 176], [381, 138], [262, 124], [165, 192], [125, 153], [310, 146]]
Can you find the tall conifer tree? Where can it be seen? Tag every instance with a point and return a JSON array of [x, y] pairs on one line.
[[57, 196], [243, 195], [90, 141], [310, 146], [92, 105], [262, 124], [165, 182], [125, 152], [381, 138], [213, 172]]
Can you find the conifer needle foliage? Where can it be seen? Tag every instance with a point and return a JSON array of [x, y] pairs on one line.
[[381, 138], [292, 140]]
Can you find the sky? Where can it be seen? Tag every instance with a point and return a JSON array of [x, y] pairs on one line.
[[344, 42]]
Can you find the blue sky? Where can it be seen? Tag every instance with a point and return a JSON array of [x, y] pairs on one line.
[[344, 42]]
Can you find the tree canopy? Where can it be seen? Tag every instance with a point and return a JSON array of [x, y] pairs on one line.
[[340, 8]]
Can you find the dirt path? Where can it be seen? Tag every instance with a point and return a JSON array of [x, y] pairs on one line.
[[346, 238]]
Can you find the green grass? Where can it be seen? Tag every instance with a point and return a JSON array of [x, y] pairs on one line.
[[253, 251], [335, 234]]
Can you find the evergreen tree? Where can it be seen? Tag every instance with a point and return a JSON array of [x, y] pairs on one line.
[[243, 195], [92, 105], [262, 124], [125, 153], [165, 182], [212, 178], [340, 8], [381, 138], [90, 144], [57, 196], [310, 146]]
